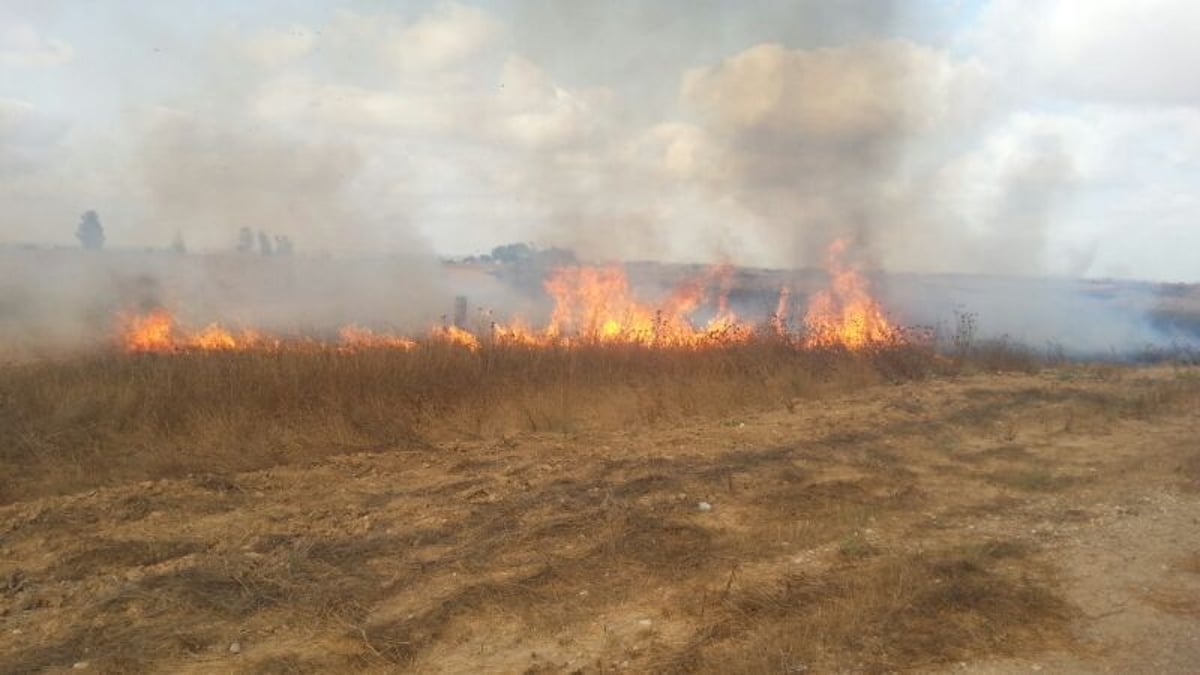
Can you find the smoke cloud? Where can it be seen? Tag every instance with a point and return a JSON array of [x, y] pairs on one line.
[[632, 131], [204, 179], [812, 141], [628, 131]]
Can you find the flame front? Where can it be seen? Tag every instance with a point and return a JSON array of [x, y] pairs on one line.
[[597, 305], [354, 337], [157, 331], [845, 314], [592, 305], [456, 336], [152, 332]]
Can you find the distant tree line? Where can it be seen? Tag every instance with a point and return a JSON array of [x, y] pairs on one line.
[[90, 233], [525, 254], [280, 245]]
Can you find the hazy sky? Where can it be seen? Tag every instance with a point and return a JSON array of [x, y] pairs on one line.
[[1004, 136]]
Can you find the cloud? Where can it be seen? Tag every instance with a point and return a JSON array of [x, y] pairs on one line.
[[448, 36], [302, 100], [445, 37], [435, 74], [280, 46], [1111, 51], [514, 105], [532, 111], [21, 46], [27, 137], [13, 115]]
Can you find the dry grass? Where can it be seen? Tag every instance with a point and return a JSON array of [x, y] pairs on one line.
[[187, 610], [95, 420], [840, 537], [1032, 480], [185, 607], [1189, 471], [897, 612], [1190, 564], [533, 554], [1182, 602]]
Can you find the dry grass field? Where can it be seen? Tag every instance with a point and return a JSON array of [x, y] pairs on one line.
[[617, 509]]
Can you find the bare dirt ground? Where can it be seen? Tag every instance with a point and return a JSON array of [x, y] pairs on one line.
[[992, 523]]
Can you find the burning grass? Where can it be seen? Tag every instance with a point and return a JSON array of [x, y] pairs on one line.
[[168, 399], [592, 306]]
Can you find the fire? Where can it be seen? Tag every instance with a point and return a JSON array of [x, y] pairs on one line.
[[597, 305], [518, 333], [150, 332], [356, 337], [845, 314], [157, 331], [456, 336], [214, 338], [592, 305]]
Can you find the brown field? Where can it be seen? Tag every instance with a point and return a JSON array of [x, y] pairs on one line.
[[751, 509]]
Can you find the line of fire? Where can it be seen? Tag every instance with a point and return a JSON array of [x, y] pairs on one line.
[[592, 305]]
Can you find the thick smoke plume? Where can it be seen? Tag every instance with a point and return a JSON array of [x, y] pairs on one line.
[[629, 131]]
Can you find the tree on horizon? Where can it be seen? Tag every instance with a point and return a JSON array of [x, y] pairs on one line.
[[90, 232], [245, 241]]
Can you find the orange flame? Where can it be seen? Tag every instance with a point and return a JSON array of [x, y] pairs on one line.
[[150, 332], [846, 315], [597, 305], [354, 337], [519, 333], [456, 336], [592, 305], [157, 331]]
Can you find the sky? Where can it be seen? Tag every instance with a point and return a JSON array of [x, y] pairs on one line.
[[1024, 137]]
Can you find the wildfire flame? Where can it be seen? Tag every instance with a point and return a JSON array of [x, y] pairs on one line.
[[845, 314], [597, 305], [592, 305], [150, 332], [157, 331], [356, 337], [456, 336]]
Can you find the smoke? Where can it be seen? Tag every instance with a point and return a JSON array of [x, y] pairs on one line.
[[631, 131], [209, 182], [1035, 185], [619, 190], [875, 142], [628, 131], [823, 127], [1086, 319], [640, 49], [51, 300], [202, 168]]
